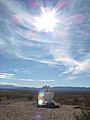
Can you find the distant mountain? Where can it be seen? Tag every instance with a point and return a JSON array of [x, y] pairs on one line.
[[57, 89], [12, 87], [73, 89], [7, 87]]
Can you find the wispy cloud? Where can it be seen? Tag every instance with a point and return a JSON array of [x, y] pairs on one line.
[[71, 64], [83, 66], [6, 75], [66, 45], [74, 68], [8, 83], [45, 80], [9, 76], [34, 80], [22, 70], [25, 79]]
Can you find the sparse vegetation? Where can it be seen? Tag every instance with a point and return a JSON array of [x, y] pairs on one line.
[[71, 100], [17, 94], [84, 115], [81, 99]]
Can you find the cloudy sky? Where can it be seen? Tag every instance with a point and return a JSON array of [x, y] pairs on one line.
[[45, 42]]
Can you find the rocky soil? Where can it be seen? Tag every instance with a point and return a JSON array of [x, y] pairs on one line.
[[27, 110]]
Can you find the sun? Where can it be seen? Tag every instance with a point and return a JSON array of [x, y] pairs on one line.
[[46, 22]]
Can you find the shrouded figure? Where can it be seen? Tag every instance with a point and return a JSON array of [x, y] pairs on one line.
[[49, 96], [45, 98]]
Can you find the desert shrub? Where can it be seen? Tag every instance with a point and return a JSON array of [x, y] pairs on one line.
[[84, 115], [30, 97], [87, 102]]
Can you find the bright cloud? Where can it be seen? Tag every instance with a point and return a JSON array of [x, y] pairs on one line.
[[33, 80], [75, 66], [82, 67], [46, 80], [6, 75], [8, 83]]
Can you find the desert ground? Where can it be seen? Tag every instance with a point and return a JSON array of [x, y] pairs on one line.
[[22, 105], [27, 110]]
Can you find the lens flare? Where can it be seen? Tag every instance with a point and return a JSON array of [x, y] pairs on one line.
[[61, 4], [41, 97], [38, 116], [32, 4], [79, 19], [41, 94]]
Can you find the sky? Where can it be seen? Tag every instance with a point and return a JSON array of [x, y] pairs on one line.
[[45, 42]]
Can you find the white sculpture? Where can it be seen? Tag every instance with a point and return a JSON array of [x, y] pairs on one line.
[[45, 97]]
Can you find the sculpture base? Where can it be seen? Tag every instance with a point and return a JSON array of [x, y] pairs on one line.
[[48, 105]]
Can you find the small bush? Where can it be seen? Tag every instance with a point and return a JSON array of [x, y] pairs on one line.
[[29, 97], [84, 115]]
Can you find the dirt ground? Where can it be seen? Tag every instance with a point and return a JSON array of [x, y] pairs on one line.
[[26, 110]]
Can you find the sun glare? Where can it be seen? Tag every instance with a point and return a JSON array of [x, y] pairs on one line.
[[46, 22]]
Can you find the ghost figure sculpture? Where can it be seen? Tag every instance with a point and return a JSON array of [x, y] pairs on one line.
[[45, 98]]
